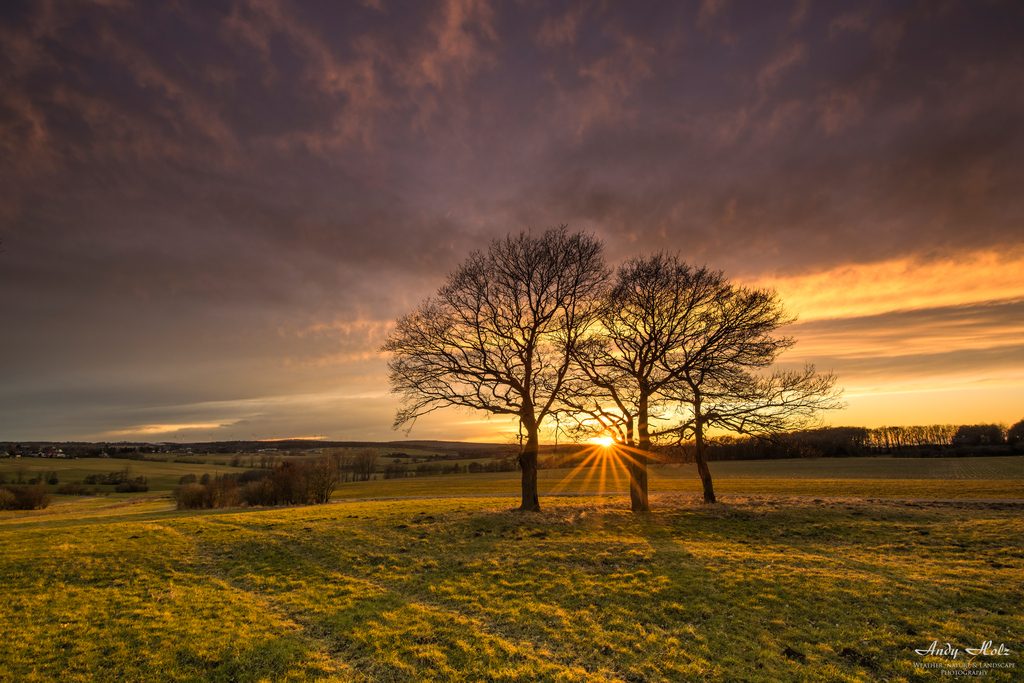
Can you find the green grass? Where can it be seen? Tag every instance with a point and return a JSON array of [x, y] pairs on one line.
[[464, 589], [998, 477], [871, 468], [860, 477], [163, 476]]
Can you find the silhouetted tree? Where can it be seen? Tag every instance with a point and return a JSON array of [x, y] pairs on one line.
[[980, 435], [626, 367], [323, 476], [1015, 433], [499, 335], [727, 338], [364, 463], [674, 335], [342, 462]]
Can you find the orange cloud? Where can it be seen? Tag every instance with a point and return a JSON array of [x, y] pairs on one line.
[[148, 430], [903, 284]]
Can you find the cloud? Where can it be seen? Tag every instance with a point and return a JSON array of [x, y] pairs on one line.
[[206, 203], [561, 30], [958, 363], [854, 22], [992, 325], [770, 74], [904, 284], [383, 75]]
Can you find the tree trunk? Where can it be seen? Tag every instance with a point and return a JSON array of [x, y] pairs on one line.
[[637, 469], [528, 463], [702, 463], [638, 463]]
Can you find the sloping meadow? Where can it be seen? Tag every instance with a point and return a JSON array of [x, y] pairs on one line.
[[463, 589]]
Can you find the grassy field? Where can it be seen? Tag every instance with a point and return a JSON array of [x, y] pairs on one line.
[[163, 476], [860, 477], [464, 589], [1001, 477]]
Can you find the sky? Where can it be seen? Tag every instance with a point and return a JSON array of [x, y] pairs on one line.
[[212, 212]]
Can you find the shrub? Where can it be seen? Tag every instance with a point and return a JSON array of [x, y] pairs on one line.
[[187, 479], [223, 492], [119, 478], [131, 487], [216, 493], [74, 488], [258, 493], [28, 497], [7, 500], [291, 484], [251, 475], [190, 496], [288, 484]]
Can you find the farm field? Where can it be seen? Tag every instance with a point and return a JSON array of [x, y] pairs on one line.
[[995, 477], [464, 589]]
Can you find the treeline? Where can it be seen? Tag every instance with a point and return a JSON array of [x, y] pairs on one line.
[[400, 471], [122, 480], [291, 482], [849, 442]]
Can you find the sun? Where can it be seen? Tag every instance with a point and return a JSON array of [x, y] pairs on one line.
[[604, 441]]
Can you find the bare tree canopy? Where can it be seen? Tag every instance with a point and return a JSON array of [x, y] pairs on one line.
[[732, 336], [625, 367], [500, 334], [676, 354]]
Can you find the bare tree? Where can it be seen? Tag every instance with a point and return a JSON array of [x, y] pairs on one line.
[[727, 340], [364, 463], [626, 367], [323, 477], [342, 461], [674, 336], [499, 335]]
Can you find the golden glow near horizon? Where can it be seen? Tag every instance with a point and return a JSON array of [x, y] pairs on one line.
[[165, 429], [915, 341], [902, 284], [605, 464], [260, 308]]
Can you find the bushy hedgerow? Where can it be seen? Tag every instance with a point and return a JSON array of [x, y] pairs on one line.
[[290, 483], [24, 497], [259, 493], [251, 475], [215, 493], [75, 488]]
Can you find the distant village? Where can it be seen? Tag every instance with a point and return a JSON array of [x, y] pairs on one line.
[[73, 451]]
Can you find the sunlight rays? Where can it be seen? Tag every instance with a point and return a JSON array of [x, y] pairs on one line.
[[608, 465]]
